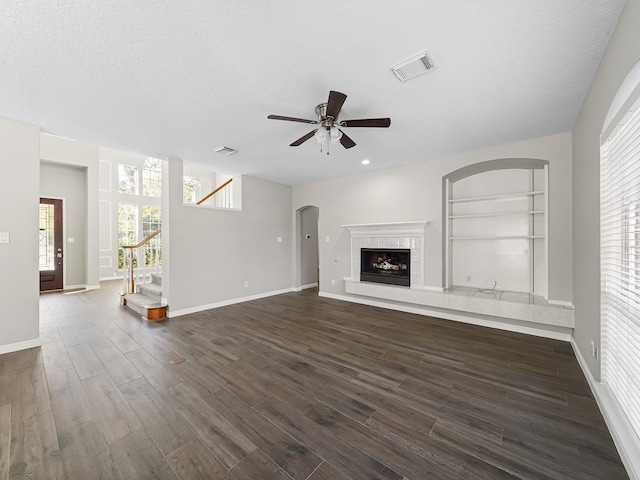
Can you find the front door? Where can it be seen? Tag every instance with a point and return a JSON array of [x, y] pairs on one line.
[[50, 244]]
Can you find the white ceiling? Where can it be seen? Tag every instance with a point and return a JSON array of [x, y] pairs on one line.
[[180, 78]]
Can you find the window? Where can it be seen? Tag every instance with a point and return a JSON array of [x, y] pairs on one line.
[[127, 179], [127, 228], [152, 177], [151, 224], [620, 263]]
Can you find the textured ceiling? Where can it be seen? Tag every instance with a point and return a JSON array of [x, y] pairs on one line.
[[180, 78]]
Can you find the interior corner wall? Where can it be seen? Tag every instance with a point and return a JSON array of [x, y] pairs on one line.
[[19, 195], [214, 251], [71, 153], [621, 55], [414, 193]]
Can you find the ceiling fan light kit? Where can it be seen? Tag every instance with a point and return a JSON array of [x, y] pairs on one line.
[[328, 123]]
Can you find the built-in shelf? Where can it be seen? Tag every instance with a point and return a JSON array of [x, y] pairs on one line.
[[502, 196], [488, 203], [497, 237], [498, 214]]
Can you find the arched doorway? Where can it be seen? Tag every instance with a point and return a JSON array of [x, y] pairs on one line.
[[308, 261]]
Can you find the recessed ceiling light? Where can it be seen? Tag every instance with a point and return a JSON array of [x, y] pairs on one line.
[[365, 162]]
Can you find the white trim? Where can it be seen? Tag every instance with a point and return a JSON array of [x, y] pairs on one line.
[[75, 287], [560, 303], [14, 347], [381, 229], [426, 287], [449, 315], [309, 285], [93, 287], [106, 279], [224, 303], [623, 436]]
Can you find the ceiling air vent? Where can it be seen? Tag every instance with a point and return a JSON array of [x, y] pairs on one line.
[[414, 66], [225, 150]]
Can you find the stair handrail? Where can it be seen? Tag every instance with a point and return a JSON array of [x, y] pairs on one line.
[[129, 276], [204, 199], [146, 240]]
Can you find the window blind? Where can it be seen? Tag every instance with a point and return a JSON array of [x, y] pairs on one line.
[[620, 263]]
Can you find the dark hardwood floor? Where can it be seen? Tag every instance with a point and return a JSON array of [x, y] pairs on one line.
[[292, 386]]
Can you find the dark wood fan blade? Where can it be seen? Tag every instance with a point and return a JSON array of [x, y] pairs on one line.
[[334, 104], [367, 122], [301, 140], [291, 119], [346, 141]]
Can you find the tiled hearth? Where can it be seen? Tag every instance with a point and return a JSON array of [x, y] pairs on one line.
[[507, 305]]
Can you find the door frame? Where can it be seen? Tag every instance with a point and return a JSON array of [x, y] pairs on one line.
[[64, 235]]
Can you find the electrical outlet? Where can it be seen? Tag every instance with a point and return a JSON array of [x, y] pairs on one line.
[[595, 353], [333, 281], [593, 348], [246, 284]]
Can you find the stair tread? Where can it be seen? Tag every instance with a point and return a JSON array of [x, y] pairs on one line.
[[150, 288], [143, 300]]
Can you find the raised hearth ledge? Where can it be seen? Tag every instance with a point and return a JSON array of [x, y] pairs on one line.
[[538, 313]]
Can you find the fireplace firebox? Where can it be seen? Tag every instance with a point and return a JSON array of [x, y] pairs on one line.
[[386, 265]]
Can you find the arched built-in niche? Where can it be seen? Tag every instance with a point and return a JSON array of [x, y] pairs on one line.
[[495, 226]]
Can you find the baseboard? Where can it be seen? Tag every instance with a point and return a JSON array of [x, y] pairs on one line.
[[76, 287], [452, 315], [224, 303], [14, 347], [623, 436]]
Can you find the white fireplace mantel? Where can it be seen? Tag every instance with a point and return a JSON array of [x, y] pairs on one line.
[[387, 229], [408, 235]]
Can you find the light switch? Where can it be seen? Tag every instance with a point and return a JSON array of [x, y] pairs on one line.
[[4, 237], [279, 239], [71, 240]]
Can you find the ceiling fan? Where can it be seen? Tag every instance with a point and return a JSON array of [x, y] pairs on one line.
[[328, 123]]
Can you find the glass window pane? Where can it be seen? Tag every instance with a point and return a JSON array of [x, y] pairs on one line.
[[127, 179], [127, 228], [152, 177], [46, 248], [150, 224]]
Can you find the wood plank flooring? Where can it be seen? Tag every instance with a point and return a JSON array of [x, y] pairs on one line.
[[292, 387]]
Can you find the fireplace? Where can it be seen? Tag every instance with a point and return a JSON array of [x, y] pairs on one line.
[[391, 266]]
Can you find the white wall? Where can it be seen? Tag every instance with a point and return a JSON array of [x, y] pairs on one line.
[[622, 54], [69, 184], [214, 251], [414, 193], [68, 152], [19, 197]]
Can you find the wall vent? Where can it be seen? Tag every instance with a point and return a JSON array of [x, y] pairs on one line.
[[414, 66], [225, 150]]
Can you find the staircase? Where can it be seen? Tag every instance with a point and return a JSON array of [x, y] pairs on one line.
[[147, 301]]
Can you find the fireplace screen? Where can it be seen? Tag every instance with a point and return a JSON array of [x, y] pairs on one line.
[[385, 265]]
